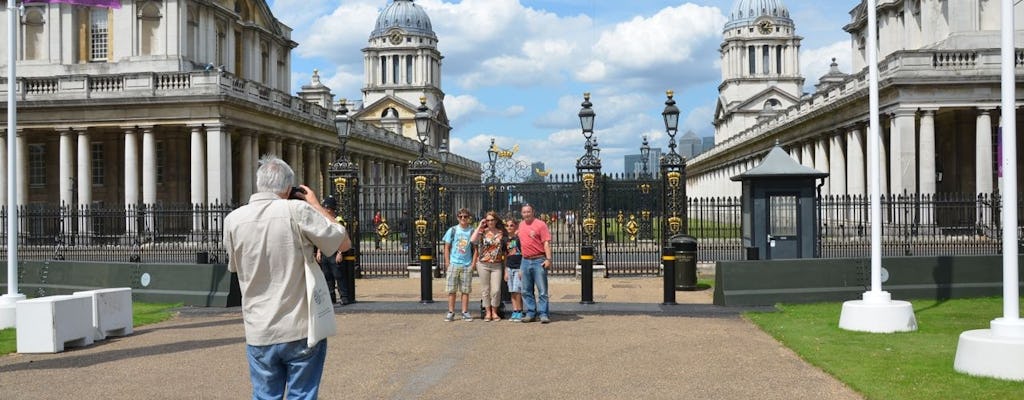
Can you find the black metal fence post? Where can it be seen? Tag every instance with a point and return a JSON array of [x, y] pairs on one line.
[[587, 274], [426, 264], [668, 261]]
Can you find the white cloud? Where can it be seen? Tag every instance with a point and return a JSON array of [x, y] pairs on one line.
[[815, 62], [462, 106]]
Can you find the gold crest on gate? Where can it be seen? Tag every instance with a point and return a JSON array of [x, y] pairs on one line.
[[673, 179], [421, 182], [421, 226], [340, 184], [588, 181], [675, 224], [589, 225]]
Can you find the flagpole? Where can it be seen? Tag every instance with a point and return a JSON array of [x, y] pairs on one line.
[[8, 301]]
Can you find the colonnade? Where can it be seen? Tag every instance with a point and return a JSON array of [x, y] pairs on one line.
[[907, 159]]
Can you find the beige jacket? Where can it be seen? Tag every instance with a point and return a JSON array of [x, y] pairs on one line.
[[262, 249]]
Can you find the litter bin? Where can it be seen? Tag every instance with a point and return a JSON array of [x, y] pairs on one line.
[[685, 248]]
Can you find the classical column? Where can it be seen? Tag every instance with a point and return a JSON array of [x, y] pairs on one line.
[[902, 153], [216, 167], [247, 168], [148, 165], [197, 167], [67, 165], [983, 152], [84, 168], [821, 162], [927, 143], [131, 167], [21, 169], [293, 159], [836, 164], [311, 159], [807, 158]]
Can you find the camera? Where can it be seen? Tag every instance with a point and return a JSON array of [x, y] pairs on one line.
[[297, 193]]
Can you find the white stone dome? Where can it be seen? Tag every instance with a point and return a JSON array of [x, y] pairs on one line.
[[745, 12], [404, 15]]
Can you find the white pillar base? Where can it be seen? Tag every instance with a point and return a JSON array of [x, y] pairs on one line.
[[997, 352], [8, 305], [878, 313]]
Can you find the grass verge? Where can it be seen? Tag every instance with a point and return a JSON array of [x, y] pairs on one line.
[[142, 314], [911, 365]]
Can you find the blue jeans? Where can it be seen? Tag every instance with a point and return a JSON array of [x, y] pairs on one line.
[[290, 365], [534, 274]]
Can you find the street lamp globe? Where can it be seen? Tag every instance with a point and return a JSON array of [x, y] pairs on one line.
[[442, 152], [671, 115], [423, 121], [587, 116], [645, 149], [343, 123]]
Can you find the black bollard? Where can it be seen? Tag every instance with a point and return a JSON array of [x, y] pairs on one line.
[[587, 275], [668, 261], [426, 263], [348, 276]]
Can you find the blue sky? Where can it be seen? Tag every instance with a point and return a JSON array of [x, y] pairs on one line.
[[515, 70]]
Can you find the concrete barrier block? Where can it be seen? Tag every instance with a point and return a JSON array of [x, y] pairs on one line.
[[111, 311], [48, 324]]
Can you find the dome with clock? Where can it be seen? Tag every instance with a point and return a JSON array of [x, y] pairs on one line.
[[404, 15], [747, 12]]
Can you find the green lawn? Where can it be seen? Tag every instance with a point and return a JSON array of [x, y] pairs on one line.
[[143, 314], [912, 365]]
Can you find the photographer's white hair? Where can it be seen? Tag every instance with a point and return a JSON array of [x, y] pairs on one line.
[[274, 175]]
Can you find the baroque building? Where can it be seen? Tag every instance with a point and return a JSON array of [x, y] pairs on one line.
[[173, 101], [939, 91]]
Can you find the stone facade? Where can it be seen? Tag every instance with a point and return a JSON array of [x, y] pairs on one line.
[[173, 102], [939, 94]]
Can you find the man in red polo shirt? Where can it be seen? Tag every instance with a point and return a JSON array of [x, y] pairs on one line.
[[535, 239]]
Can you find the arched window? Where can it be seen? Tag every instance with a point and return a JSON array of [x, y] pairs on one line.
[[771, 105], [34, 33], [149, 19]]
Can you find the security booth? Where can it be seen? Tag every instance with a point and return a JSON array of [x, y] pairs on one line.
[[779, 218]]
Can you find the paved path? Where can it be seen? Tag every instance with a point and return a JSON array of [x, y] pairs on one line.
[[392, 347]]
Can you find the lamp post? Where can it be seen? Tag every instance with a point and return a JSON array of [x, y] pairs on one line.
[[424, 204], [673, 173], [442, 190], [588, 169], [344, 175], [645, 192], [492, 181]]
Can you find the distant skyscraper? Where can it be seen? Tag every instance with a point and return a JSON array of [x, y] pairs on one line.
[[709, 142], [633, 164], [536, 176], [690, 145]]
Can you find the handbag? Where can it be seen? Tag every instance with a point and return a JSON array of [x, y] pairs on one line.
[[321, 312]]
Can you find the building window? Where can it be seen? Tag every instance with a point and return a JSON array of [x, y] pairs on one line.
[[160, 157], [408, 69], [764, 59], [98, 34], [222, 38], [394, 69], [37, 164], [383, 70], [193, 35], [752, 59], [778, 60], [97, 164]]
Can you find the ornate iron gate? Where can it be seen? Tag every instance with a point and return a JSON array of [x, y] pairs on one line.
[[632, 229]]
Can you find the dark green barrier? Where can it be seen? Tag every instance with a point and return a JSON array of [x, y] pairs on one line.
[[202, 285], [769, 282]]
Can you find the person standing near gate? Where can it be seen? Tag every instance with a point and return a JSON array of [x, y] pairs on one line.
[[269, 243], [458, 250], [535, 240], [490, 239], [513, 277], [331, 263]]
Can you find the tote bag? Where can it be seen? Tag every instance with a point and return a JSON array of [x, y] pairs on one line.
[[321, 312]]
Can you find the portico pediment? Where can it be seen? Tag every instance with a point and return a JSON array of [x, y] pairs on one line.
[[757, 102]]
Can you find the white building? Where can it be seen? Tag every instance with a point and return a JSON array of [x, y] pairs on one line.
[[939, 91], [173, 101]]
